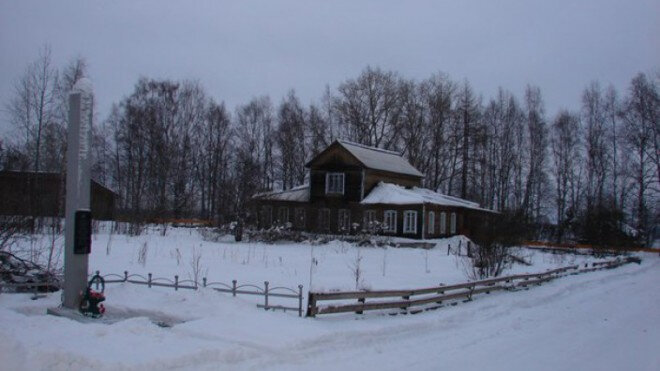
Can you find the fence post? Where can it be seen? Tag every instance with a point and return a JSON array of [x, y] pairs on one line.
[[176, 283], [407, 297], [149, 282], [311, 305], [233, 287], [300, 287], [125, 276], [266, 295], [440, 292], [469, 251], [204, 282], [361, 301], [470, 294], [460, 242], [448, 248], [98, 273]]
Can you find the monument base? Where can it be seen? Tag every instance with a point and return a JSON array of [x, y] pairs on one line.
[[72, 314], [115, 315]]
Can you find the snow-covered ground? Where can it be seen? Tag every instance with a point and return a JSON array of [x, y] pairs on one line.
[[605, 320]]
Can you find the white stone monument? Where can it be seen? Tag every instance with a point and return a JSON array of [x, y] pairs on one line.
[[78, 215]]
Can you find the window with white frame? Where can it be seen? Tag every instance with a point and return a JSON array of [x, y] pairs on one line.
[[344, 221], [443, 222], [431, 222], [368, 221], [410, 221], [324, 219], [283, 215], [389, 221], [334, 183], [300, 217], [452, 227]]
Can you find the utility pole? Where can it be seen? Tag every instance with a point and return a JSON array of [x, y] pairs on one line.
[[78, 215]]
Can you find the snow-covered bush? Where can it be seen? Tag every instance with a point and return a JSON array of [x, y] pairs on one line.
[[214, 234], [277, 233], [16, 270], [197, 269]]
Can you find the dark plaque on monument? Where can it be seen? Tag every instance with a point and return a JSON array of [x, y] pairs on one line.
[[82, 241]]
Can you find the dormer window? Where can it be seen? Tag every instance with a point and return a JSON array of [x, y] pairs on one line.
[[334, 183]]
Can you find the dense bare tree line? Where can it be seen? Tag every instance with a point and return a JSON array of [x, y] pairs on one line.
[[38, 111], [170, 150]]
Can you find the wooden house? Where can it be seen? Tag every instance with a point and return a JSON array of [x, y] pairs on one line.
[[354, 188]]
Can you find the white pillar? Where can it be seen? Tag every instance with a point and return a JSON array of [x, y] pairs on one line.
[[78, 158]]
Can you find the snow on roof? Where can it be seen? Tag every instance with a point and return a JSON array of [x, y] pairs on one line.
[[380, 159], [295, 194], [387, 193]]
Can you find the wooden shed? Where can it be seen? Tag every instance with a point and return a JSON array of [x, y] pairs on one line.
[[43, 194]]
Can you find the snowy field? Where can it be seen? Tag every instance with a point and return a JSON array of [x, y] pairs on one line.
[[605, 320]]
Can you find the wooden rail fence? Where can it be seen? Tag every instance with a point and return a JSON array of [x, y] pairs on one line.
[[406, 299], [235, 289], [578, 246]]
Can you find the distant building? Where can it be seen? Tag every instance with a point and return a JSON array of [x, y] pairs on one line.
[[355, 187], [43, 194]]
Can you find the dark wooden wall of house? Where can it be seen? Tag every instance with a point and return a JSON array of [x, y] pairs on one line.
[[437, 209], [336, 159], [352, 184], [359, 181], [380, 217], [102, 202], [466, 220], [48, 190], [312, 211], [35, 194]]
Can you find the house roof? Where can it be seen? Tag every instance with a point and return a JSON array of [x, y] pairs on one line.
[[379, 159], [392, 194], [295, 194]]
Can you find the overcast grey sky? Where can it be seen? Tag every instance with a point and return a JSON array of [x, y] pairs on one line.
[[242, 49]]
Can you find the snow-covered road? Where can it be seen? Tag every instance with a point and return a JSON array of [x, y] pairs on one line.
[[599, 321]]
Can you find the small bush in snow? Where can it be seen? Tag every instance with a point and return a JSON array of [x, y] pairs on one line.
[[487, 261], [213, 234], [142, 254], [356, 270], [197, 270]]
